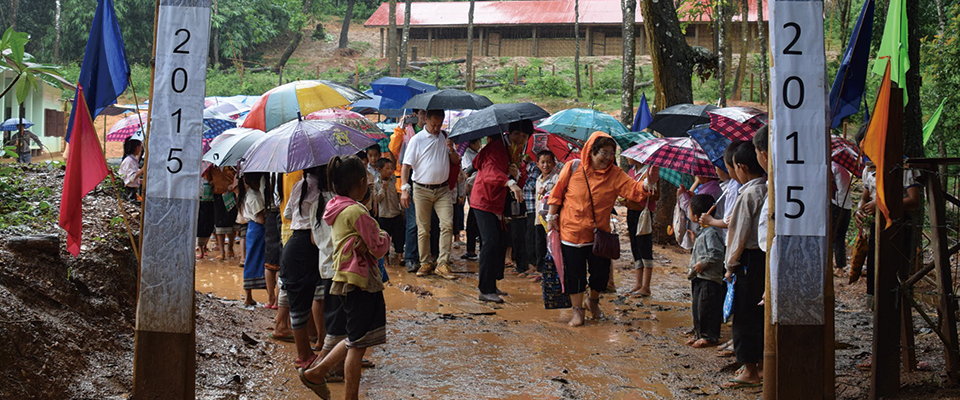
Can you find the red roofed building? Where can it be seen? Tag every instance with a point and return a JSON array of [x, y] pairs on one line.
[[535, 28]]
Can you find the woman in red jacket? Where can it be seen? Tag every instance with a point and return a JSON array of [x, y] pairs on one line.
[[496, 175]]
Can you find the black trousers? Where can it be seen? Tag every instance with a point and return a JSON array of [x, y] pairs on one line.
[[473, 232], [707, 309], [530, 239], [747, 314], [517, 229], [577, 261], [494, 249], [540, 238], [841, 222], [395, 227]]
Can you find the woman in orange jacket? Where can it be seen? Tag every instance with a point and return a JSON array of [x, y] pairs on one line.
[[587, 194]]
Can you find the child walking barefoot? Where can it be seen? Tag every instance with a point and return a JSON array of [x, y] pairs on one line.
[[359, 243]]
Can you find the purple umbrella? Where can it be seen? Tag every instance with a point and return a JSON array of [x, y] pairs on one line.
[[298, 145]]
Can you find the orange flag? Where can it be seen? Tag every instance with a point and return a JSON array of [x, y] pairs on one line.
[[875, 141]]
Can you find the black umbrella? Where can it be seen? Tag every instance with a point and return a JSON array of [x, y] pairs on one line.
[[494, 120], [448, 99], [676, 120]]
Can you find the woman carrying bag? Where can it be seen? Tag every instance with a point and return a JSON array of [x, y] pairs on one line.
[[587, 191]]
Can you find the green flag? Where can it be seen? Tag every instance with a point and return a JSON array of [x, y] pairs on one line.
[[894, 44], [932, 123]]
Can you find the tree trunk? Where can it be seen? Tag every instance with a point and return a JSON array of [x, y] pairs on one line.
[[673, 61], [844, 17], [56, 37], [288, 52], [576, 35], [306, 7], [345, 28], [762, 42], [913, 113], [745, 43], [392, 39], [405, 40], [629, 8], [470, 81], [14, 6], [941, 144], [723, 53]]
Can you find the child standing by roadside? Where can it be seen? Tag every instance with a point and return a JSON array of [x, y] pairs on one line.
[[391, 216], [254, 211], [746, 260], [641, 245], [358, 242], [549, 173], [706, 276]]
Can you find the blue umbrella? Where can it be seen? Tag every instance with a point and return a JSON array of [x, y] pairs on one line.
[[712, 143], [399, 89], [378, 104], [12, 123], [580, 123]]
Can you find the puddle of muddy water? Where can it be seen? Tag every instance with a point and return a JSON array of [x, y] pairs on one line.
[[449, 345]]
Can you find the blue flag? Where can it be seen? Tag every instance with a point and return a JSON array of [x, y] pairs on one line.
[[851, 78], [104, 74], [643, 117]]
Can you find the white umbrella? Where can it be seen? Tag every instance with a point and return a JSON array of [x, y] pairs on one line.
[[228, 148]]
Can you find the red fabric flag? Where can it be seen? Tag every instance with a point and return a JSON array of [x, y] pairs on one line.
[[86, 168]]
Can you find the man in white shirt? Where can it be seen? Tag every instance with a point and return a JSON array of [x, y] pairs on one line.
[[429, 155]]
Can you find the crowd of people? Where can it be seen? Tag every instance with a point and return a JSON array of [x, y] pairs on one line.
[[318, 240]]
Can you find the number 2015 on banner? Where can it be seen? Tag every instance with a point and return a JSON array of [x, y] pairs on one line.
[[178, 82], [793, 96]]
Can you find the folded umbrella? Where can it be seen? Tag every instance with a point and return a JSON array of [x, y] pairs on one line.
[[12, 124], [494, 120], [737, 123], [676, 120], [287, 102], [680, 154], [228, 148], [447, 99], [580, 123], [299, 145], [349, 118]]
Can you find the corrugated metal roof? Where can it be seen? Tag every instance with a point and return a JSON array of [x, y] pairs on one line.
[[548, 12]]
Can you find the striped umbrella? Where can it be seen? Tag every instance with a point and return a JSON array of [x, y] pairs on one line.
[[126, 127], [682, 154], [737, 123], [845, 153], [349, 118], [285, 103]]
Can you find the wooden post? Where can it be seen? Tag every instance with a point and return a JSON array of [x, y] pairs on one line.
[[318, 72], [885, 369], [751, 87], [589, 41], [436, 80], [429, 42], [483, 51], [382, 48], [356, 74], [590, 72], [553, 69], [516, 80], [947, 305], [533, 46]]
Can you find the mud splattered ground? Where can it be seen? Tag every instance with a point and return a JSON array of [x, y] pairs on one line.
[[66, 332]]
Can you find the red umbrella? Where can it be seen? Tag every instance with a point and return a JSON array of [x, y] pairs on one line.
[[564, 149], [845, 153], [737, 123]]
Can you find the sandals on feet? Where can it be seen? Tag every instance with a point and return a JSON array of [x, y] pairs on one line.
[[300, 364], [738, 384], [320, 389], [701, 343]]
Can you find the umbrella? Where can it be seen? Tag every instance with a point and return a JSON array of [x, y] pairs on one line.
[[580, 123], [737, 123], [676, 178], [126, 127], [215, 123], [563, 148], [299, 145], [400, 89], [378, 104], [845, 153], [229, 108], [682, 154], [349, 118], [451, 117], [713, 143], [230, 147], [494, 120], [285, 102], [447, 99], [675, 121], [630, 139], [12, 123]]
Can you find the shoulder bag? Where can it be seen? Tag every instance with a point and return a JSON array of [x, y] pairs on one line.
[[605, 244]]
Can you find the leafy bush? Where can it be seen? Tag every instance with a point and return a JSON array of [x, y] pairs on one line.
[[555, 86]]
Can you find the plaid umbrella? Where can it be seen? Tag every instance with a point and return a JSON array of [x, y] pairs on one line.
[[126, 127], [680, 154], [737, 123], [845, 153], [630, 139], [676, 178], [712, 143], [216, 123]]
